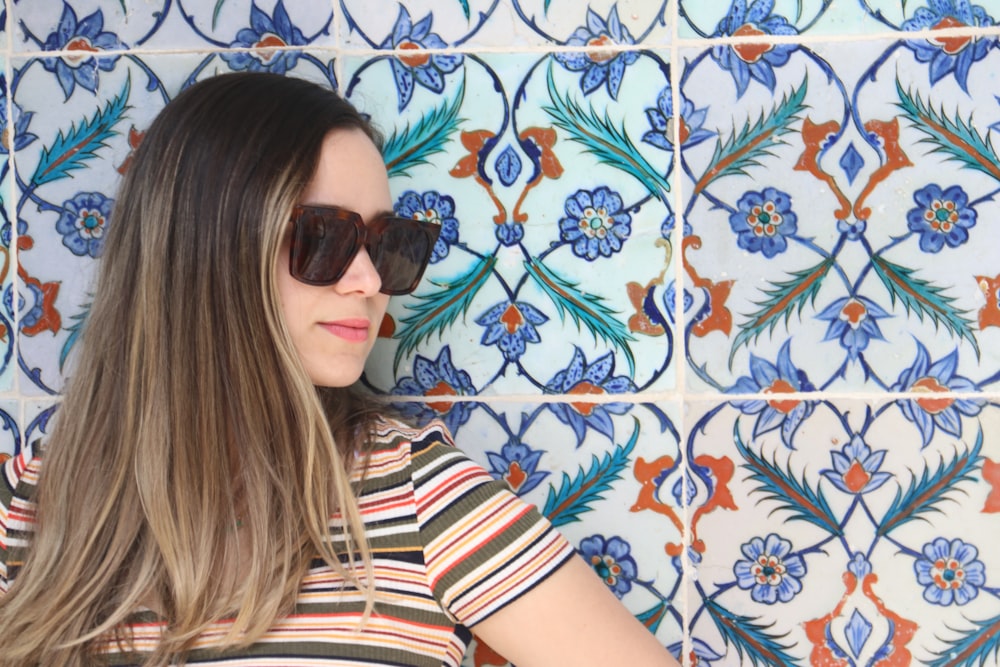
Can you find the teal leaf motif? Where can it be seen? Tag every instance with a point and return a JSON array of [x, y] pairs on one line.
[[747, 147], [795, 496], [410, 147], [921, 296], [585, 309], [465, 8], [749, 637], [787, 296], [576, 495], [438, 310], [70, 151], [603, 139], [653, 616], [974, 647], [955, 137], [215, 12], [80, 319], [923, 497]]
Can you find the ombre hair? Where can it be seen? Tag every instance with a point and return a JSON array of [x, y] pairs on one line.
[[189, 412]]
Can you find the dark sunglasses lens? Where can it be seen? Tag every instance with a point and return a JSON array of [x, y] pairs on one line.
[[322, 247], [401, 254]]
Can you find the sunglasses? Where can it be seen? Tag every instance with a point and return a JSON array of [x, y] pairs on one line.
[[325, 240]]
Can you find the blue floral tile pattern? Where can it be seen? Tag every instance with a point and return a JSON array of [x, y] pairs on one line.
[[758, 596], [674, 235]]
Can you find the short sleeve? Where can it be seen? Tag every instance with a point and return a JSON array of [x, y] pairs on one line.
[[18, 478], [483, 546]]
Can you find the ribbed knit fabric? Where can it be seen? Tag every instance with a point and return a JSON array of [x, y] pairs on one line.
[[451, 546]]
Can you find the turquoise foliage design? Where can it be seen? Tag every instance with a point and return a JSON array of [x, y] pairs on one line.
[[576, 495], [603, 139], [408, 147], [70, 151]]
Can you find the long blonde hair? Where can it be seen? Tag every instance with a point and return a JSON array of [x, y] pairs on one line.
[[189, 412]]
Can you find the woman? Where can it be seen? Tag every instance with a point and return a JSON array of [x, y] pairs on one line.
[[210, 431]]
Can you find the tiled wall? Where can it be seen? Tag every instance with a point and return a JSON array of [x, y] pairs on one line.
[[718, 285]]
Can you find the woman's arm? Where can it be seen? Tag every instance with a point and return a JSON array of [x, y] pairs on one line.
[[571, 618]]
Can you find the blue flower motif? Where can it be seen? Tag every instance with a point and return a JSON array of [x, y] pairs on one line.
[[769, 572], [509, 233], [267, 36], [853, 320], [583, 380], [691, 132], [437, 378], [936, 412], [859, 566], [854, 229], [950, 572], [30, 304], [941, 216], [856, 467], [426, 69], [595, 223], [701, 654], [22, 137], [949, 55], [511, 326], [433, 207], [755, 60], [517, 465], [87, 37], [689, 554], [84, 221], [763, 220], [611, 560], [669, 300], [780, 378], [599, 66]]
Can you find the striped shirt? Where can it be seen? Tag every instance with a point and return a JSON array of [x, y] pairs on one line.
[[450, 547]]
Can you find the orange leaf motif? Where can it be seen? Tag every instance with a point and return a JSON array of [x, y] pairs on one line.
[[989, 315], [473, 142], [991, 473], [545, 139]]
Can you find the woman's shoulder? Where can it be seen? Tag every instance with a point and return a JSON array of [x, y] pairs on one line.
[[391, 434], [18, 479], [394, 444], [19, 474]]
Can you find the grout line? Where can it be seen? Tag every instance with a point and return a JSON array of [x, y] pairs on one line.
[[680, 345], [545, 49], [11, 197]]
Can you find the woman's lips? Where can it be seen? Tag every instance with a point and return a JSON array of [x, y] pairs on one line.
[[353, 330]]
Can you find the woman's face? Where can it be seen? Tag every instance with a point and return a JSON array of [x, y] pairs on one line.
[[333, 327]]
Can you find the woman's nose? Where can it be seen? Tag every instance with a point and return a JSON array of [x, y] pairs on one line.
[[360, 276]]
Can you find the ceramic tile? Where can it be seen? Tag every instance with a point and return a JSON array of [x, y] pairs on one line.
[[878, 277], [56, 195], [22, 422], [8, 329], [38, 418], [592, 469], [238, 24], [742, 18], [503, 23], [926, 15], [10, 436], [850, 525], [839, 161], [555, 257]]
